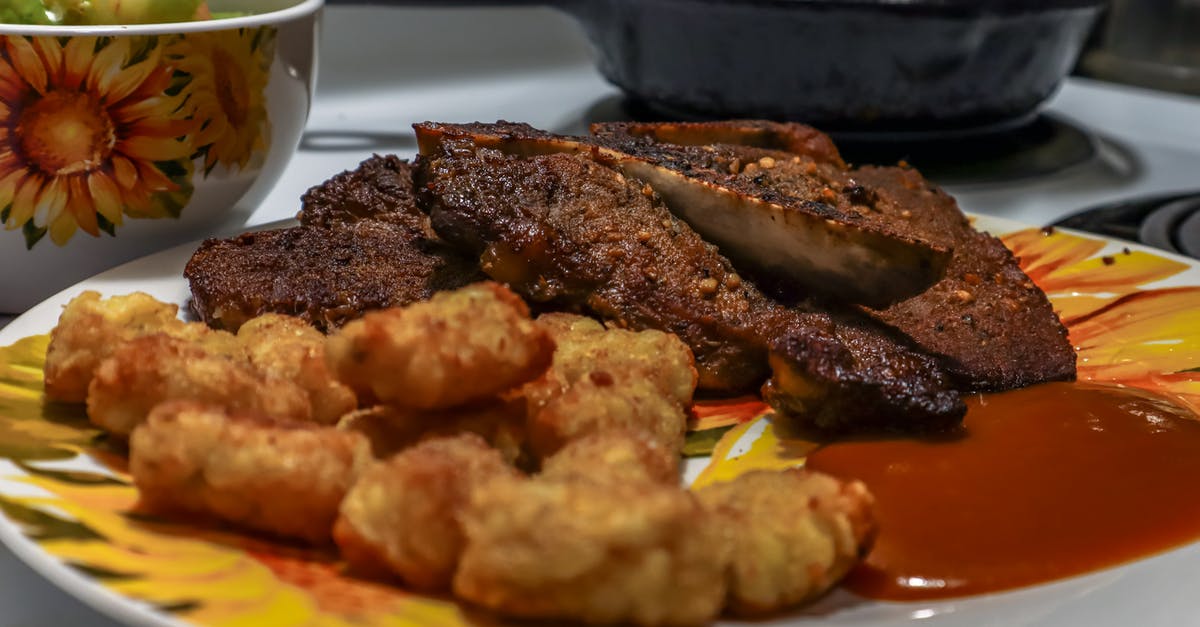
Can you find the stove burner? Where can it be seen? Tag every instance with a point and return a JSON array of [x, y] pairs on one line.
[[1170, 222], [1018, 149]]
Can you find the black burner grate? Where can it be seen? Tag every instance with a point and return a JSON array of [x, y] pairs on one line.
[[1170, 222]]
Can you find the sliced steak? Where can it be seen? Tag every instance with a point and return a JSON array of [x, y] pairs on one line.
[[362, 244], [568, 232]]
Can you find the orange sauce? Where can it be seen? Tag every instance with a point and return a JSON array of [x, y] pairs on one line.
[[1043, 483]]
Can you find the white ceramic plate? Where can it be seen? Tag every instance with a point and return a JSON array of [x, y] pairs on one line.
[[64, 499]]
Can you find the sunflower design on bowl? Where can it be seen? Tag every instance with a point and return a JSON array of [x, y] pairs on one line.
[[96, 129]]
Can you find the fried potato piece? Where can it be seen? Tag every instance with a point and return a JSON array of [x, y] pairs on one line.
[[90, 329], [609, 379], [459, 347], [152, 369], [281, 477], [402, 515], [500, 422], [618, 455], [794, 534], [594, 551], [289, 348]]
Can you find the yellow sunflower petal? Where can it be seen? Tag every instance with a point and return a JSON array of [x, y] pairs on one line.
[[63, 228], [24, 201], [50, 52], [8, 187], [1042, 253], [750, 446], [149, 148], [77, 60], [106, 64], [1119, 273], [119, 85], [1154, 331], [26, 63], [50, 202], [81, 207], [124, 172], [106, 196]]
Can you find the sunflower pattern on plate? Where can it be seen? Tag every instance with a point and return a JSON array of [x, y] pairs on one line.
[[96, 129], [68, 494]]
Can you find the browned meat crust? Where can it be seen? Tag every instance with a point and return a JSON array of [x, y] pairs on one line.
[[327, 276], [380, 188], [362, 245], [993, 327], [562, 229], [823, 241]]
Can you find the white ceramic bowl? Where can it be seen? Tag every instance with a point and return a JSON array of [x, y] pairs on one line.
[[117, 141]]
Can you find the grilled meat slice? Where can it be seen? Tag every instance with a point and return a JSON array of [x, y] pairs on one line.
[[327, 276], [823, 244], [362, 244], [380, 188], [562, 229], [995, 329]]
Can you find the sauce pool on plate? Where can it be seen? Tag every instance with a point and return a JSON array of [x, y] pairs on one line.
[[1043, 483]]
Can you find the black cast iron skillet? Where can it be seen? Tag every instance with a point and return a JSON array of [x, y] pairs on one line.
[[871, 66]]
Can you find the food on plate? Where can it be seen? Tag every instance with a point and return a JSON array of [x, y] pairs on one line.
[[824, 244], [362, 245], [146, 371], [454, 349], [89, 329], [618, 455], [423, 486], [993, 329], [500, 422], [793, 535], [281, 477], [402, 515], [569, 233], [605, 379], [593, 551], [288, 348], [95, 12]]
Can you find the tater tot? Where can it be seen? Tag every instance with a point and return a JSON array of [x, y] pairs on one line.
[[88, 331], [457, 348], [794, 534], [616, 455], [91, 328], [289, 348], [591, 551], [500, 422], [602, 379], [149, 370], [401, 517], [280, 477]]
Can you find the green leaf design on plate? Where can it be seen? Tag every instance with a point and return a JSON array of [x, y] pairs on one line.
[[701, 443]]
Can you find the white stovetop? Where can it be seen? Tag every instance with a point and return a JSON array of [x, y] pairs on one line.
[[383, 69]]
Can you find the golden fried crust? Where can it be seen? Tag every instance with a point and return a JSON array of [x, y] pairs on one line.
[[500, 422], [459, 347], [283, 478], [793, 534], [289, 348], [401, 517], [605, 379], [618, 456], [152, 369], [597, 552], [91, 328], [598, 405], [87, 332]]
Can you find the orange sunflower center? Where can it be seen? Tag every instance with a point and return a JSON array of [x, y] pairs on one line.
[[232, 91], [65, 133]]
